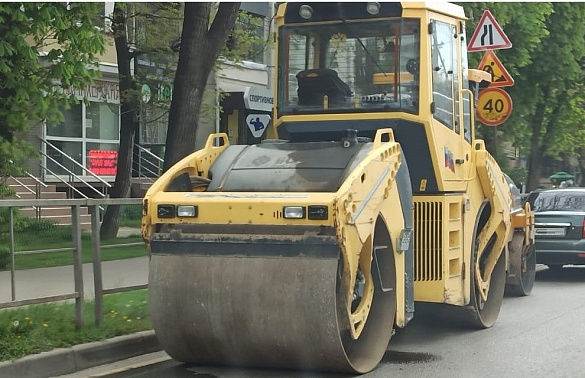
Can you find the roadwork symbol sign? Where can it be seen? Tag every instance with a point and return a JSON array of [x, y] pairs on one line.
[[488, 35], [492, 65]]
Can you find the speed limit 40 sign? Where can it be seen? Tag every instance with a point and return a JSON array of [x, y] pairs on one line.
[[494, 106]]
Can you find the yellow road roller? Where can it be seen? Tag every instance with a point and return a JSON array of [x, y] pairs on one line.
[[367, 194]]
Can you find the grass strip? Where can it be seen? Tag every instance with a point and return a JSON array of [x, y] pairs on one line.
[[45, 260], [40, 328]]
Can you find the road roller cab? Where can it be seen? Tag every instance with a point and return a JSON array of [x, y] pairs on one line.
[[370, 193]]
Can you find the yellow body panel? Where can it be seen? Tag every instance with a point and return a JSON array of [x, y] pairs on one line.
[[456, 218]]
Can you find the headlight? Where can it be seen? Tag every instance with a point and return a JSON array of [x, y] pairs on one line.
[[187, 211], [305, 11], [293, 212]]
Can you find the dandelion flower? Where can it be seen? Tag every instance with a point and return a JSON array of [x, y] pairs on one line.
[[46, 325], [129, 320]]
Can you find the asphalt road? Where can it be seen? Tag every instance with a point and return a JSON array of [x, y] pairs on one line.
[[537, 336]]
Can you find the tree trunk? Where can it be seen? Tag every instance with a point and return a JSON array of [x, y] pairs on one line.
[[542, 134], [200, 48], [536, 151], [581, 160], [128, 126]]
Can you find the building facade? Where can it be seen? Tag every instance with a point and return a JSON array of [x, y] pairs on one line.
[[238, 100]]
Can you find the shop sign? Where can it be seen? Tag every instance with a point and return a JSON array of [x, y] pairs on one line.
[[257, 123], [103, 162], [99, 91], [258, 99]]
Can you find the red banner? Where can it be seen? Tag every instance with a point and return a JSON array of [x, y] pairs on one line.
[[103, 162]]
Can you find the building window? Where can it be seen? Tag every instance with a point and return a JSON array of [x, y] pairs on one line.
[[70, 125], [88, 135], [101, 121]]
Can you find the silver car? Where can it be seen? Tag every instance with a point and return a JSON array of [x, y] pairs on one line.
[[559, 226]]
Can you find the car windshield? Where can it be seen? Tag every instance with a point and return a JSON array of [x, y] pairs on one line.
[[349, 66], [558, 200]]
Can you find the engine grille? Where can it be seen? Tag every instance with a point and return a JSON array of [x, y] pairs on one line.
[[428, 241]]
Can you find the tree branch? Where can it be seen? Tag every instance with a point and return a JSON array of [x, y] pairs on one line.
[[226, 15]]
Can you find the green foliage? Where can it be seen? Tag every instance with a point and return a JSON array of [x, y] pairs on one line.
[[246, 41], [49, 235], [131, 212], [154, 43], [42, 44], [40, 328], [43, 229], [46, 260], [519, 175], [546, 62], [4, 229], [4, 254], [524, 24]]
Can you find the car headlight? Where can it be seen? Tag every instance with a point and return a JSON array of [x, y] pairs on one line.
[[187, 211]]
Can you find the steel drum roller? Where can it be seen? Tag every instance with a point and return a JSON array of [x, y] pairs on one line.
[[262, 310]]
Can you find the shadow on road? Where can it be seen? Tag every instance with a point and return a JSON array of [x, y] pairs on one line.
[[567, 274]]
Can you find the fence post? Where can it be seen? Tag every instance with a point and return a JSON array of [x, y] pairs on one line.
[[77, 265], [97, 264], [12, 278]]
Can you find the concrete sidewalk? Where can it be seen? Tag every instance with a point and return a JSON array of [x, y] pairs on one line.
[[33, 283]]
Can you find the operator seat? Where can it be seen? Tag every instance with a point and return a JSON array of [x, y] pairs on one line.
[[315, 83]]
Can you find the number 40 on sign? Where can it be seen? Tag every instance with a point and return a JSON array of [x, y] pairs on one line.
[[494, 106]]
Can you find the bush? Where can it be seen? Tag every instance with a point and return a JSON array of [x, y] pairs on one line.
[[4, 256], [47, 230], [131, 212], [4, 238]]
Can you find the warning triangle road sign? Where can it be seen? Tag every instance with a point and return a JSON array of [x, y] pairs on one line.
[[488, 35], [491, 64]]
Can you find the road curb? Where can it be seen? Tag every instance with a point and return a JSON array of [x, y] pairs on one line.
[[80, 357]]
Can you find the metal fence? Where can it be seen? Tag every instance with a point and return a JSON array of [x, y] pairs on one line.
[[78, 294]]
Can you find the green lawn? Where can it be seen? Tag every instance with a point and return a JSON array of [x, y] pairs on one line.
[[39, 328], [32, 235], [45, 260]]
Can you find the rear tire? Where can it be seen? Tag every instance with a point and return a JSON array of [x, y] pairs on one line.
[[524, 270]]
